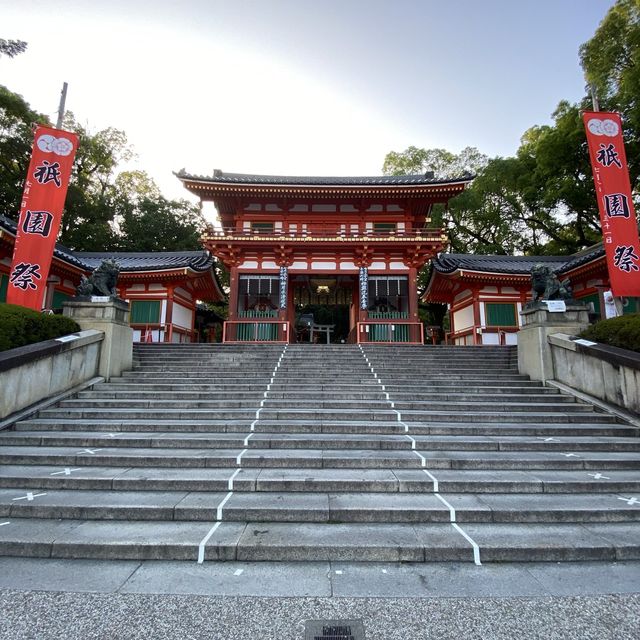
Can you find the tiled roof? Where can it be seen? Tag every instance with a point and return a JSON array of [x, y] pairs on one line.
[[142, 261], [149, 261], [246, 178], [60, 251], [450, 262]]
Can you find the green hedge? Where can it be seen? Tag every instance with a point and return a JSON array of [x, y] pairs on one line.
[[623, 332], [20, 326]]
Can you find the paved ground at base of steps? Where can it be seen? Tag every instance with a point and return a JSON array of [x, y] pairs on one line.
[[79, 599]]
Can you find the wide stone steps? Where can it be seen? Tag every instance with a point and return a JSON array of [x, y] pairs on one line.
[[262, 439], [302, 507], [37, 477], [318, 458], [186, 458]]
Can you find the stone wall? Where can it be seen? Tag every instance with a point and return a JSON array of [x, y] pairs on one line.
[[604, 372], [38, 371]]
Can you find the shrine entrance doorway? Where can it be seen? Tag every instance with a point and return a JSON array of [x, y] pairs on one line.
[[329, 301]]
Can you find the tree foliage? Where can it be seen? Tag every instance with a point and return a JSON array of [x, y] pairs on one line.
[[105, 209], [542, 200], [12, 48]]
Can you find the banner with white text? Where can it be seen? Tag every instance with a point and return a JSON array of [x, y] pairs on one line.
[[43, 197], [613, 191]]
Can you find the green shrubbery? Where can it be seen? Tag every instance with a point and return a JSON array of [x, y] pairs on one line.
[[20, 326], [623, 332]]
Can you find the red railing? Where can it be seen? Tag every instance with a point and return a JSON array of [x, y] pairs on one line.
[[164, 332], [256, 330], [325, 231], [477, 331], [392, 331]]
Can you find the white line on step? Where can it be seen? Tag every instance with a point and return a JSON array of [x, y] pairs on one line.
[[598, 476], [238, 572], [476, 548], [422, 458], [235, 473], [221, 505], [66, 472], [630, 501], [2, 524], [240, 456], [413, 442], [90, 451], [246, 440], [452, 511], [434, 479], [204, 542], [30, 496]]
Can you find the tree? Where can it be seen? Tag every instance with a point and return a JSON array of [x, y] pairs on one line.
[[12, 48], [611, 63], [16, 137], [443, 163]]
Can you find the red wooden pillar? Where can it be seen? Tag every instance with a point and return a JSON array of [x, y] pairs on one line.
[[234, 283], [476, 315], [168, 316], [413, 295]]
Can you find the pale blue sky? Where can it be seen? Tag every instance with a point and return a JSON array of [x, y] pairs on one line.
[[300, 87]]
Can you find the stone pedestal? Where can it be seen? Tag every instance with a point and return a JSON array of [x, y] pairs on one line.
[[538, 323], [112, 318]]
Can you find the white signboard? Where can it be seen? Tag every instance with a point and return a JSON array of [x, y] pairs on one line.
[[555, 306]]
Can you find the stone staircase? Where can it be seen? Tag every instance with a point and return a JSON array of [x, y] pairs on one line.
[[319, 452]]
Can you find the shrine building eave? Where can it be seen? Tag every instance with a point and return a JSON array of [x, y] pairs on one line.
[[229, 185]]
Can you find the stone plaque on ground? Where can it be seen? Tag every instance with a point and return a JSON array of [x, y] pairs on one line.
[[333, 630]]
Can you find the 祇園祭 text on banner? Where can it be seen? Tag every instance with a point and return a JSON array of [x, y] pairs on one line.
[[613, 191], [45, 189]]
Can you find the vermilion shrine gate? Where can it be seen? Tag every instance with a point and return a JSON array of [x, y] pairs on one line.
[[295, 244]]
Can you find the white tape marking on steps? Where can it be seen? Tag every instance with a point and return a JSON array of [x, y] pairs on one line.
[[238, 572], [2, 524], [631, 500], [66, 472], [30, 496], [240, 456], [476, 548], [413, 442], [204, 542], [235, 473], [221, 505], [434, 479], [422, 458], [452, 511], [246, 440]]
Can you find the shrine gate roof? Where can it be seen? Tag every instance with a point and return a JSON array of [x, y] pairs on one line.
[[150, 261], [220, 177]]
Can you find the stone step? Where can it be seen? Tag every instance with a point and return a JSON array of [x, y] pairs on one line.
[[318, 458], [317, 480], [300, 507], [359, 542], [262, 440], [549, 429]]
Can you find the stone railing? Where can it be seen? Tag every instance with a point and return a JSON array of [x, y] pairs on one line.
[[606, 373], [38, 371]]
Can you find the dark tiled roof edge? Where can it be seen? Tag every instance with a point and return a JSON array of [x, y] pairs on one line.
[[247, 178]]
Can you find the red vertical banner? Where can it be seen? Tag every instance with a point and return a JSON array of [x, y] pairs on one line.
[[45, 189], [613, 191]]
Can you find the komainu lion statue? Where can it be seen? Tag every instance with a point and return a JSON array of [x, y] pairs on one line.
[[546, 285], [102, 282]]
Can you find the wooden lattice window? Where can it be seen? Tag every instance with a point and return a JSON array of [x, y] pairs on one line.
[[4, 283]]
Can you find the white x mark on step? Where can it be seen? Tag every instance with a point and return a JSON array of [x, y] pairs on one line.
[[631, 501], [30, 496], [66, 472], [598, 476]]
